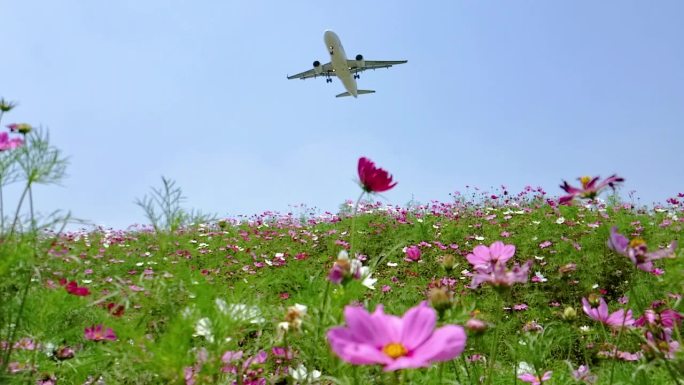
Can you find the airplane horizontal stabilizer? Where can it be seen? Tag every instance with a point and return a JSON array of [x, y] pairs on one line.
[[360, 92]]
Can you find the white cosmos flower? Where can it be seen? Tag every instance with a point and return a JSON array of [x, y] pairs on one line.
[[301, 309], [302, 374], [524, 367], [366, 279], [560, 220], [203, 329], [240, 311], [343, 254], [369, 282]]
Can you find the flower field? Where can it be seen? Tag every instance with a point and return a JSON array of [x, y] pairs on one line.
[[491, 288]]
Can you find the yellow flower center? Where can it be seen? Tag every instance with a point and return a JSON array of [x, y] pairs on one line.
[[395, 350], [585, 181], [636, 242]]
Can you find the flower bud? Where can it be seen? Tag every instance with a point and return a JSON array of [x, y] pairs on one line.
[[569, 313], [567, 269], [448, 263], [6, 106], [439, 299], [476, 326], [533, 327]]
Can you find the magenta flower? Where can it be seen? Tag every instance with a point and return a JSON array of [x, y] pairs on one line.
[[535, 380], [484, 257], [637, 251], [615, 320], [582, 373], [393, 342], [412, 254], [99, 333], [499, 276], [9, 144], [590, 188], [345, 270], [373, 179], [73, 288]]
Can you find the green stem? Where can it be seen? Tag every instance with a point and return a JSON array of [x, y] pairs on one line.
[[2, 211], [353, 232], [675, 378], [33, 218], [495, 347], [323, 306], [515, 366], [16, 213], [457, 371], [615, 351], [13, 330], [465, 366]]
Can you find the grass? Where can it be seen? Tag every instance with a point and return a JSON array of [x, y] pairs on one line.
[[167, 281]]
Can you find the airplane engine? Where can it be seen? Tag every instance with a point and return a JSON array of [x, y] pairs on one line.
[[317, 67], [359, 61]]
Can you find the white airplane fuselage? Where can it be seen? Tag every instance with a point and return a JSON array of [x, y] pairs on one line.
[[338, 59]]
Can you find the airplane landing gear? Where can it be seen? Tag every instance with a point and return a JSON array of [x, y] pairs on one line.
[[328, 80], [357, 76]]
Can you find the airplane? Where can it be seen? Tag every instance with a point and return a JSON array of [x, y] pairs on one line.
[[346, 70]]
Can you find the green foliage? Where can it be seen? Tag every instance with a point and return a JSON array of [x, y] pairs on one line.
[[169, 281], [164, 211]]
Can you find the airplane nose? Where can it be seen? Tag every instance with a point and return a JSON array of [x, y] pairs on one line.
[[328, 36]]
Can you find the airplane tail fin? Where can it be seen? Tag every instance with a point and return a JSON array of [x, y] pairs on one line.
[[359, 92]]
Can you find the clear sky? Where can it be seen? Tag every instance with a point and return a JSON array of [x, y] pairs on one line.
[[494, 92]]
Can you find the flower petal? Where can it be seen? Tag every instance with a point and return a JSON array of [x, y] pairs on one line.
[[445, 344], [417, 325]]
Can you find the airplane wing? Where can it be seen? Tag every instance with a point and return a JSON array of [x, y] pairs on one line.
[[326, 70], [372, 64]]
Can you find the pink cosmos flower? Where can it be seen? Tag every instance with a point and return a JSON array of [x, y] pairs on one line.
[[584, 374], [499, 276], [615, 320], [373, 179], [345, 269], [535, 380], [591, 187], [9, 144], [393, 342], [99, 333], [637, 251], [484, 257], [412, 254]]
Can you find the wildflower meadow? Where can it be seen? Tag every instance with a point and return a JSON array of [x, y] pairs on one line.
[[572, 286]]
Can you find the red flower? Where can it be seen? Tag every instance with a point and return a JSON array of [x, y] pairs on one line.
[[73, 288], [115, 310], [374, 179]]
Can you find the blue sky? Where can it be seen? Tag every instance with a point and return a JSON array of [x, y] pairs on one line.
[[512, 93]]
